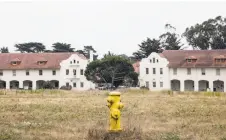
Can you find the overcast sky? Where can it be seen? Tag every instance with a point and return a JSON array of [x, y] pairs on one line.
[[117, 26]]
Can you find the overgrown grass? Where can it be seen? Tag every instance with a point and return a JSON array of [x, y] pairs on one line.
[[69, 115]]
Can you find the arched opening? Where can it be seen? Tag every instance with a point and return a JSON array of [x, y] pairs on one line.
[[2, 84], [203, 85], [40, 84], [175, 85], [27, 84], [218, 86], [14, 84], [55, 84], [189, 85]]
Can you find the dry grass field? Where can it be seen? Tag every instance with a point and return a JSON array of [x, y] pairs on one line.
[[67, 115]]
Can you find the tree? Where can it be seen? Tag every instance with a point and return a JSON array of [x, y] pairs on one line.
[[110, 69], [170, 40], [62, 47], [210, 34], [31, 47], [131, 79], [109, 54], [87, 50], [4, 50], [147, 47]]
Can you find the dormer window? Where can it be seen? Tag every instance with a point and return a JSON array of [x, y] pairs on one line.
[[42, 62], [15, 62], [220, 59], [191, 59]]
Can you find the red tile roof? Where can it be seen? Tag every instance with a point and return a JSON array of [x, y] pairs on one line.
[[205, 58], [136, 67], [29, 60]]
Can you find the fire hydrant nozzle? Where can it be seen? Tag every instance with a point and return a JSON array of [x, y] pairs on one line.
[[115, 105]]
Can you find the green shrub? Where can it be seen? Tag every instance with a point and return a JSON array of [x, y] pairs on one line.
[[20, 91], [217, 94], [209, 93]]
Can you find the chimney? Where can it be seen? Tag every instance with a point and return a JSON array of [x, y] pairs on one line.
[[90, 55]]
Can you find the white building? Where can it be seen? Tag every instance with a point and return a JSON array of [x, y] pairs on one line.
[[184, 70], [30, 70]]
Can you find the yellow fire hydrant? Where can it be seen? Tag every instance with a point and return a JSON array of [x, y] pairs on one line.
[[115, 105]]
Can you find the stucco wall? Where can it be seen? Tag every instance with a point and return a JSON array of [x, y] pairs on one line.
[[78, 78], [157, 77], [48, 76], [197, 82]]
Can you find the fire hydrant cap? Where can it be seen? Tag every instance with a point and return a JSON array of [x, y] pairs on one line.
[[114, 93]]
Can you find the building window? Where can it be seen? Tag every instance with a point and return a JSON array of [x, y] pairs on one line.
[[147, 71], [74, 84], [74, 71], [147, 84], [54, 72], [157, 60], [161, 84], [203, 71], [67, 71], [153, 60], [81, 84], [40, 72], [218, 71], [150, 60], [153, 70], [41, 62], [67, 84], [218, 60], [154, 84], [81, 72], [74, 61], [77, 62], [70, 62], [14, 72], [1, 73], [174, 71], [27, 72], [15, 63], [188, 71], [161, 71]]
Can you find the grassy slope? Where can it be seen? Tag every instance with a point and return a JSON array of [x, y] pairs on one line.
[[71, 115]]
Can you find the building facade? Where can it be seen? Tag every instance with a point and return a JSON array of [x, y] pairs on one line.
[[32, 70], [184, 70]]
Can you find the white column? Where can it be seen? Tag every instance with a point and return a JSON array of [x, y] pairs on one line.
[[33, 85], [20, 84], [211, 85], [7, 84], [196, 85], [181, 85]]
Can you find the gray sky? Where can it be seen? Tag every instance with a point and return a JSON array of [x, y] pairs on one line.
[[117, 26]]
